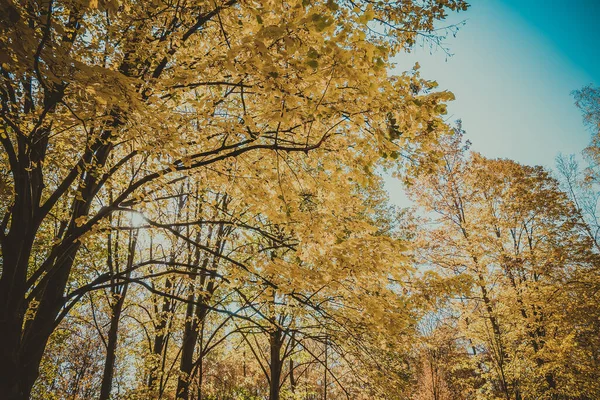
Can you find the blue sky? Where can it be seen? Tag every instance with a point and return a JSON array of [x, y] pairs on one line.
[[513, 67]]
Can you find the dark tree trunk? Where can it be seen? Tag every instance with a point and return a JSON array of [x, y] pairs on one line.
[[292, 377], [275, 343], [196, 312], [193, 316], [16, 372], [325, 370], [111, 350], [12, 295], [160, 337], [22, 349], [22, 343]]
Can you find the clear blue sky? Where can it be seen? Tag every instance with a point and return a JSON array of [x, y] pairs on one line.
[[513, 68]]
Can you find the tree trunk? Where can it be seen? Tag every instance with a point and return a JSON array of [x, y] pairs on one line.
[[16, 374], [292, 377], [195, 315], [119, 294], [190, 338], [159, 338], [196, 312], [111, 350], [325, 370], [12, 295], [275, 342], [22, 343]]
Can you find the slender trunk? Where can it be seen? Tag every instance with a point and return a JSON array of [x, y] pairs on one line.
[[119, 294], [292, 377], [190, 338], [498, 345], [200, 375], [196, 312], [434, 375], [111, 350], [195, 315], [275, 343], [160, 337], [325, 372], [164, 314], [536, 335]]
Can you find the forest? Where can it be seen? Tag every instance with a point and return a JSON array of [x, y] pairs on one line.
[[192, 207]]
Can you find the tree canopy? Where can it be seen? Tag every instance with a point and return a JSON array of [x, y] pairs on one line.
[[192, 207]]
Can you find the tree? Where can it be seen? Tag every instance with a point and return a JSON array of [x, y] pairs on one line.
[[587, 99], [512, 233], [90, 89]]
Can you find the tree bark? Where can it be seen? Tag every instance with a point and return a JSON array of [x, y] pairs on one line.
[[17, 373], [275, 343], [196, 311], [160, 336], [190, 338], [292, 377], [119, 294], [15, 255]]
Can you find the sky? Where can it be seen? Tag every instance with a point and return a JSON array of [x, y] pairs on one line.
[[512, 68]]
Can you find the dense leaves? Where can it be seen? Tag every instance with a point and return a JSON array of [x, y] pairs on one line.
[[189, 158], [192, 207]]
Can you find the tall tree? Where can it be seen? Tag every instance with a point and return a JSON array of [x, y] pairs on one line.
[[89, 88], [511, 231]]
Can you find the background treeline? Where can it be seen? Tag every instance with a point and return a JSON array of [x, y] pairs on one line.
[[514, 250], [191, 207]]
